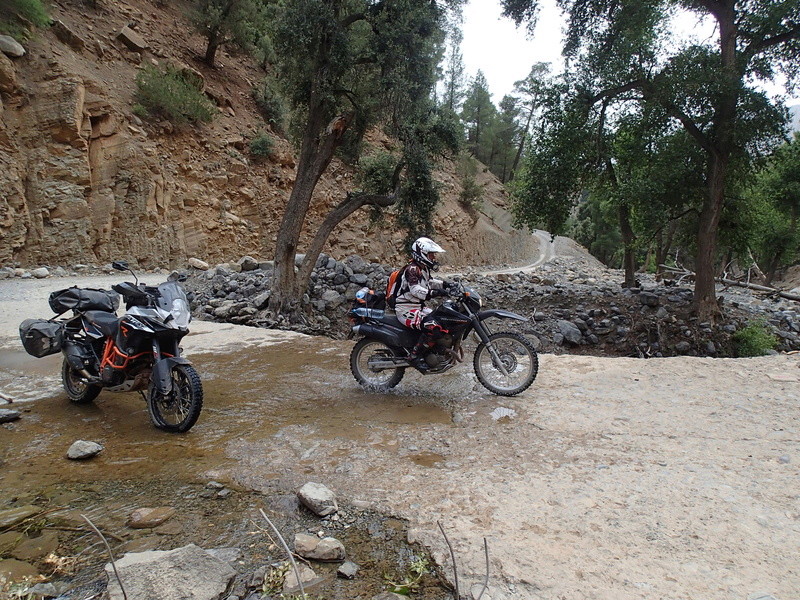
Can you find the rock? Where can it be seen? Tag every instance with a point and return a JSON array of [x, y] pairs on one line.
[[12, 569], [262, 300], [11, 47], [49, 590], [307, 576], [8, 415], [9, 541], [152, 575], [228, 555], [132, 40], [40, 273], [649, 299], [8, 75], [196, 263], [12, 516], [146, 518], [69, 37], [327, 549], [682, 347], [347, 570], [318, 499], [389, 596], [248, 263], [570, 332], [81, 450], [36, 548]]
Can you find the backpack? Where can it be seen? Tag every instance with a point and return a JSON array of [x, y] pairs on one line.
[[393, 286]]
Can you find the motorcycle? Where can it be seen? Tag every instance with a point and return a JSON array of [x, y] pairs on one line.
[[505, 362], [138, 352]]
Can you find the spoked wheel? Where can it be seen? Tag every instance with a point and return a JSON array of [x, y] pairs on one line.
[[509, 352], [76, 386], [380, 380], [178, 410]]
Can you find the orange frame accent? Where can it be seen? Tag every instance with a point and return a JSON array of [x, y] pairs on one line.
[[112, 356]]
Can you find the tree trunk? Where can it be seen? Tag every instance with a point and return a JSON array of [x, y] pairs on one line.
[[719, 152], [316, 153], [523, 139], [212, 47], [628, 240]]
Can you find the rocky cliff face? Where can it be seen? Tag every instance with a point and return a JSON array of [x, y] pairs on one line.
[[83, 180]]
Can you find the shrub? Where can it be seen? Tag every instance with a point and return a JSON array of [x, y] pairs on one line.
[[261, 145], [271, 105], [168, 94], [471, 195], [754, 340], [15, 13]]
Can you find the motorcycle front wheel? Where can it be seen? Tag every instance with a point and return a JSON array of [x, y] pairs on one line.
[[518, 358], [78, 391], [380, 380], [178, 410]]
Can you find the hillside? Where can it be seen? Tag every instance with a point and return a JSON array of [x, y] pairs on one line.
[[84, 180]]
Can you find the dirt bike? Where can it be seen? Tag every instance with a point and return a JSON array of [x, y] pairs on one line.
[[138, 352], [505, 363]]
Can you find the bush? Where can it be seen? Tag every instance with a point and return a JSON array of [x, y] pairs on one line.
[[261, 145], [754, 340], [14, 13], [471, 196], [168, 94], [271, 105]]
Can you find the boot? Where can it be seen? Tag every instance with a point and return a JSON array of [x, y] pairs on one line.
[[415, 357]]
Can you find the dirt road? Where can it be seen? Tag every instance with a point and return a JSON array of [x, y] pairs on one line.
[[617, 479]]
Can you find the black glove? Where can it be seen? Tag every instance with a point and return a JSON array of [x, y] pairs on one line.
[[437, 293]]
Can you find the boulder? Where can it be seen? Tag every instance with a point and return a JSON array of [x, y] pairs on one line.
[[11, 47], [40, 273], [570, 332], [347, 570], [132, 40], [67, 36], [81, 450], [201, 265], [248, 263], [153, 575], [318, 499], [8, 75]]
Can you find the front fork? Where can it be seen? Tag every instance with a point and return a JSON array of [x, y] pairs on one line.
[[484, 333]]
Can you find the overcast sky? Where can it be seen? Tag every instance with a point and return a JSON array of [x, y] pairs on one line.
[[505, 53]]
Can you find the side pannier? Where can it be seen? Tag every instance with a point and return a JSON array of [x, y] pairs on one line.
[[41, 337], [76, 298]]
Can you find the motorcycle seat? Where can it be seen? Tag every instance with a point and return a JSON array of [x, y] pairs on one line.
[[106, 322]]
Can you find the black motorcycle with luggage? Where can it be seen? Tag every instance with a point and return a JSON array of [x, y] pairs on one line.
[[138, 352]]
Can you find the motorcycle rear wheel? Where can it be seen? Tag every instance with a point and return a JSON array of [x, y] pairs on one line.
[[178, 411], [518, 357], [382, 380], [78, 391]]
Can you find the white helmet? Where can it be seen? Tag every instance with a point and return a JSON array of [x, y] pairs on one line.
[[422, 248]]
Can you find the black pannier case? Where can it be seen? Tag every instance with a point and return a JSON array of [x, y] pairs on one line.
[[75, 298], [41, 337]]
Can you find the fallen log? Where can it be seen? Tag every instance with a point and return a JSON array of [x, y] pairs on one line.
[[726, 281], [760, 288]]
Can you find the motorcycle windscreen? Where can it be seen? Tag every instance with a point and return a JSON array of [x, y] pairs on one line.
[[173, 299]]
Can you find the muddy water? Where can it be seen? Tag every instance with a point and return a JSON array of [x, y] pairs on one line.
[[295, 395]]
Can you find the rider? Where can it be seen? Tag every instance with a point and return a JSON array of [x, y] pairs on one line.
[[416, 287]]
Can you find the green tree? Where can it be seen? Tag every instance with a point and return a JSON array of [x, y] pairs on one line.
[[704, 88], [506, 132], [478, 114], [236, 22], [777, 194], [528, 92], [346, 65]]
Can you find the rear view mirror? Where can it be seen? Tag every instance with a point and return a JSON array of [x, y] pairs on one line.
[[120, 265]]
